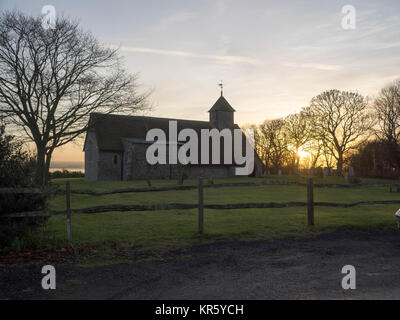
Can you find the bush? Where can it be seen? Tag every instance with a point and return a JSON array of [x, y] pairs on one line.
[[377, 159], [17, 171], [66, 174]]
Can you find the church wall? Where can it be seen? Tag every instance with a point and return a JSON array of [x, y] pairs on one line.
[[221, 119], [91, 157], [136, 167], [109, 165], [140, 169], [127, 160]]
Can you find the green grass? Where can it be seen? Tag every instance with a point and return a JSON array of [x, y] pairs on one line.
[[178, 228]]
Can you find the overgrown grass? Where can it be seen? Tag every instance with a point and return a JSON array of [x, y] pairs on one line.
[[177, 228]]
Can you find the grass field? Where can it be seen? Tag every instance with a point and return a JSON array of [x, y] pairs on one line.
[[178, 228]]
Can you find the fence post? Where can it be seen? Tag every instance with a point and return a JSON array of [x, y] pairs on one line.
[[68, 196], [310, 201], [200, 193]]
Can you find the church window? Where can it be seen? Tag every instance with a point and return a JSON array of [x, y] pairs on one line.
[[115, 159]]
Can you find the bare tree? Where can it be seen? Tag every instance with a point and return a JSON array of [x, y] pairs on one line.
[[314, 149], [51, 80], [297, 127], [258, 140], [387, 106], [341, 121], [275, 143]]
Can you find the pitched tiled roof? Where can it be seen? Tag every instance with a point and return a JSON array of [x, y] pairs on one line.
[[111, 128], [222, 105]]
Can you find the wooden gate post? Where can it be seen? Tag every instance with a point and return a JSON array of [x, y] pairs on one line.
[[200, 194], [310, 201], [68, 196]]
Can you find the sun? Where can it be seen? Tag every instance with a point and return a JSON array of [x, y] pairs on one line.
[[302, 154]]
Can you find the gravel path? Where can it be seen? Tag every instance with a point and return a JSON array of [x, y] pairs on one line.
[[274, 269]]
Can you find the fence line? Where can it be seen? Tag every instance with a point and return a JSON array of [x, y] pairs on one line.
[[224, 185], [29, 191], [192, 187], [187, 206], [184, 206]]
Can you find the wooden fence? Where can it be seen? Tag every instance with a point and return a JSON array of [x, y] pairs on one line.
[[199, 205]]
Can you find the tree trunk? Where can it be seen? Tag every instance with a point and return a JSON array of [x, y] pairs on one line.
[[47, 168], [43, 160], [339, 166], [297, 165], [40, 166]]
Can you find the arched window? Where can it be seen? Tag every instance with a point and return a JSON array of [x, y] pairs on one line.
[[115, 159]]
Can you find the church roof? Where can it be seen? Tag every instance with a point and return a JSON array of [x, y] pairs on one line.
[[110, 129], [222, 105]]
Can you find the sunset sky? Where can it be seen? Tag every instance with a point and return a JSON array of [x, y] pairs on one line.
[[273, 56]]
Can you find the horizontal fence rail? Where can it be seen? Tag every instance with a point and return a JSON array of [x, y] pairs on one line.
[[187, 206], [224, 185], [192, 187], [29, 191]]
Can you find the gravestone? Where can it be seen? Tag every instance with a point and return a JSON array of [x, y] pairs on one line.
[[320, 172], [326, 172], [351, 171], [280, 172]]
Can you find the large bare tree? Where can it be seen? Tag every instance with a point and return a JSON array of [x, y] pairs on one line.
[[275, 143], [297, 132], [387, 106], [52, 79], [341, 120]]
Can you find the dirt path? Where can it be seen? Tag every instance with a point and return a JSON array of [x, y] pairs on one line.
[[276, 269]]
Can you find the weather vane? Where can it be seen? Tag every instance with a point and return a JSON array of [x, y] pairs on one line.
[[222, 87]]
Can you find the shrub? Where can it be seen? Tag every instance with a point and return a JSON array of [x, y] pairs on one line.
[[66, 174], [17, 171]]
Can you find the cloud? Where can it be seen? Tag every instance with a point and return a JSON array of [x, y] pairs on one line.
[[176, 17], [177, 53], [318, 66]]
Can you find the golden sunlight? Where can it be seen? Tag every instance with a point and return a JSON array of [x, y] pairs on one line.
[[303, 154]]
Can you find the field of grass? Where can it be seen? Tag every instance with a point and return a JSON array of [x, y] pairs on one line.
[[178, 228]]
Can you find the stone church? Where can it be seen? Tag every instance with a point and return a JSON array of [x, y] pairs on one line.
[[115, 147]]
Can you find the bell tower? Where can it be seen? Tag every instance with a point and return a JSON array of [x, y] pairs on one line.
[[221, 113]]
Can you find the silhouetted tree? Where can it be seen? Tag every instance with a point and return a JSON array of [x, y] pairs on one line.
[[52, 79], [375, 159], [341, 120], [275, 143], [387, 106], [297, 128]]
